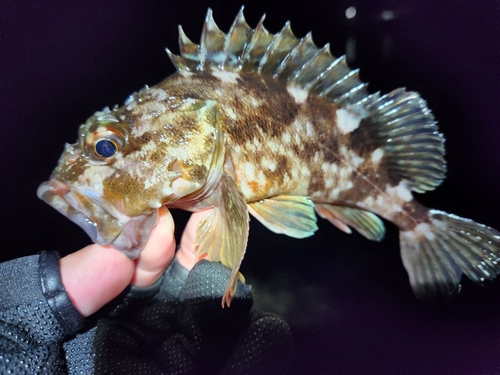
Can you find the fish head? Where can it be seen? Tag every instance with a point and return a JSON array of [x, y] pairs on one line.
[[130, 161]]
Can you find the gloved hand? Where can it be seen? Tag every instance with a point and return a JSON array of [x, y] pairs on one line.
[[169, 322], [177, 326]]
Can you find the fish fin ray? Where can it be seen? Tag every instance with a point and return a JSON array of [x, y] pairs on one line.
[[284, 214], [304, 51], [211, 52], [279, 50], [222, 234], [366, 223], [189, 52], [177, 61], [236, 42], [405, 128], [436, 253], [282, 56], [258, 43]]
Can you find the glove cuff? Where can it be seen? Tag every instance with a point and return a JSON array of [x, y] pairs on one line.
[[53, 289]]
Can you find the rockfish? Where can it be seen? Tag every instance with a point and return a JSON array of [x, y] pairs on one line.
[[272, 126]]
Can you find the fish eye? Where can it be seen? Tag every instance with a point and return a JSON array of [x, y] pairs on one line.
[[105, 148], [102, 142]]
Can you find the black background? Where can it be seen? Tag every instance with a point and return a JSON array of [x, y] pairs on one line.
[[348, 300]]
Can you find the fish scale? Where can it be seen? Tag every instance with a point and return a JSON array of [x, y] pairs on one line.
[[272, 126]]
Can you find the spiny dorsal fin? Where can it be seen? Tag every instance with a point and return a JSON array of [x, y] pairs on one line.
[[399, 121], [282, 56]]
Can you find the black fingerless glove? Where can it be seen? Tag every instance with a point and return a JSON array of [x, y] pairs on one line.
[[178, 326]]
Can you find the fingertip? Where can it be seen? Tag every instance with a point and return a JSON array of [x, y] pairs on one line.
[[158, 252], [186, 255], [166, 222]]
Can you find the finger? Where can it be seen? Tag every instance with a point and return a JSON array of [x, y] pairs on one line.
[[94, 276], [186, 255], [158, 252]]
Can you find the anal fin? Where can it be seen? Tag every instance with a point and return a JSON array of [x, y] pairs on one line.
[[222, 234], [366, 223], [286, 214]]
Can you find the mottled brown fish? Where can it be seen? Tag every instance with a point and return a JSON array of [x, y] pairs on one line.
[[273, 126]]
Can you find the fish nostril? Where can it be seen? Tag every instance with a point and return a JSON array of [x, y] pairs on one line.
[[72, 153]]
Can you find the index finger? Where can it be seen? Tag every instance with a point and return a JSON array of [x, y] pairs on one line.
[[186, 255]]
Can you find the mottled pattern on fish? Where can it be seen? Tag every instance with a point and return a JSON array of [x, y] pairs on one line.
[[273, 126], [286, 142]]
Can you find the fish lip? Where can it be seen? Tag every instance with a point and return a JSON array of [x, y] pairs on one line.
[[129, 234], [58, 195]]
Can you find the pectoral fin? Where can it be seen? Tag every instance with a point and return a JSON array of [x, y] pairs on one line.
[[286, 214], [366, 223], [222, 235]]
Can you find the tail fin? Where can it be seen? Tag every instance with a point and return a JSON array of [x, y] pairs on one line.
[[437, 252]]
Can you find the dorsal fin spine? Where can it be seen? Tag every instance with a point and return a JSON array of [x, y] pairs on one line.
[[204, 32], [328, 76], [309, 77], [212, 44], [289, 58], [189, 51], [177, 61], [273, 46], [286, 41], [259, 32], [301, 73], [301, 56], [234, 44]]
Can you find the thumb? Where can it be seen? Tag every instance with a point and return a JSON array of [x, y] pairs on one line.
[[94, 276]]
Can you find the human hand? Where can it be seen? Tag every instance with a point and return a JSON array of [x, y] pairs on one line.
[[96, 274], [184, 318]]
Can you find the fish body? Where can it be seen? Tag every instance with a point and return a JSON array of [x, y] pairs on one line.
[[279, 143], [272, 126]]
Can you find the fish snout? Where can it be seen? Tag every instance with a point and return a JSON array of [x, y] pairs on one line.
[[58, 195], [102, 222]]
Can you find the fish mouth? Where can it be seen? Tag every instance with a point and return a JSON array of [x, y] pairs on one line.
[[101, 220]]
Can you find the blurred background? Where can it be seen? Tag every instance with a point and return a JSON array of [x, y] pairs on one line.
[[347, 300]]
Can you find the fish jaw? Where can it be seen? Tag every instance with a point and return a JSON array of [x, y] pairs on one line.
[[102, 221]]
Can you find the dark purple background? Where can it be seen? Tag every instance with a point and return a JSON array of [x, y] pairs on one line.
[[348, 300]]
